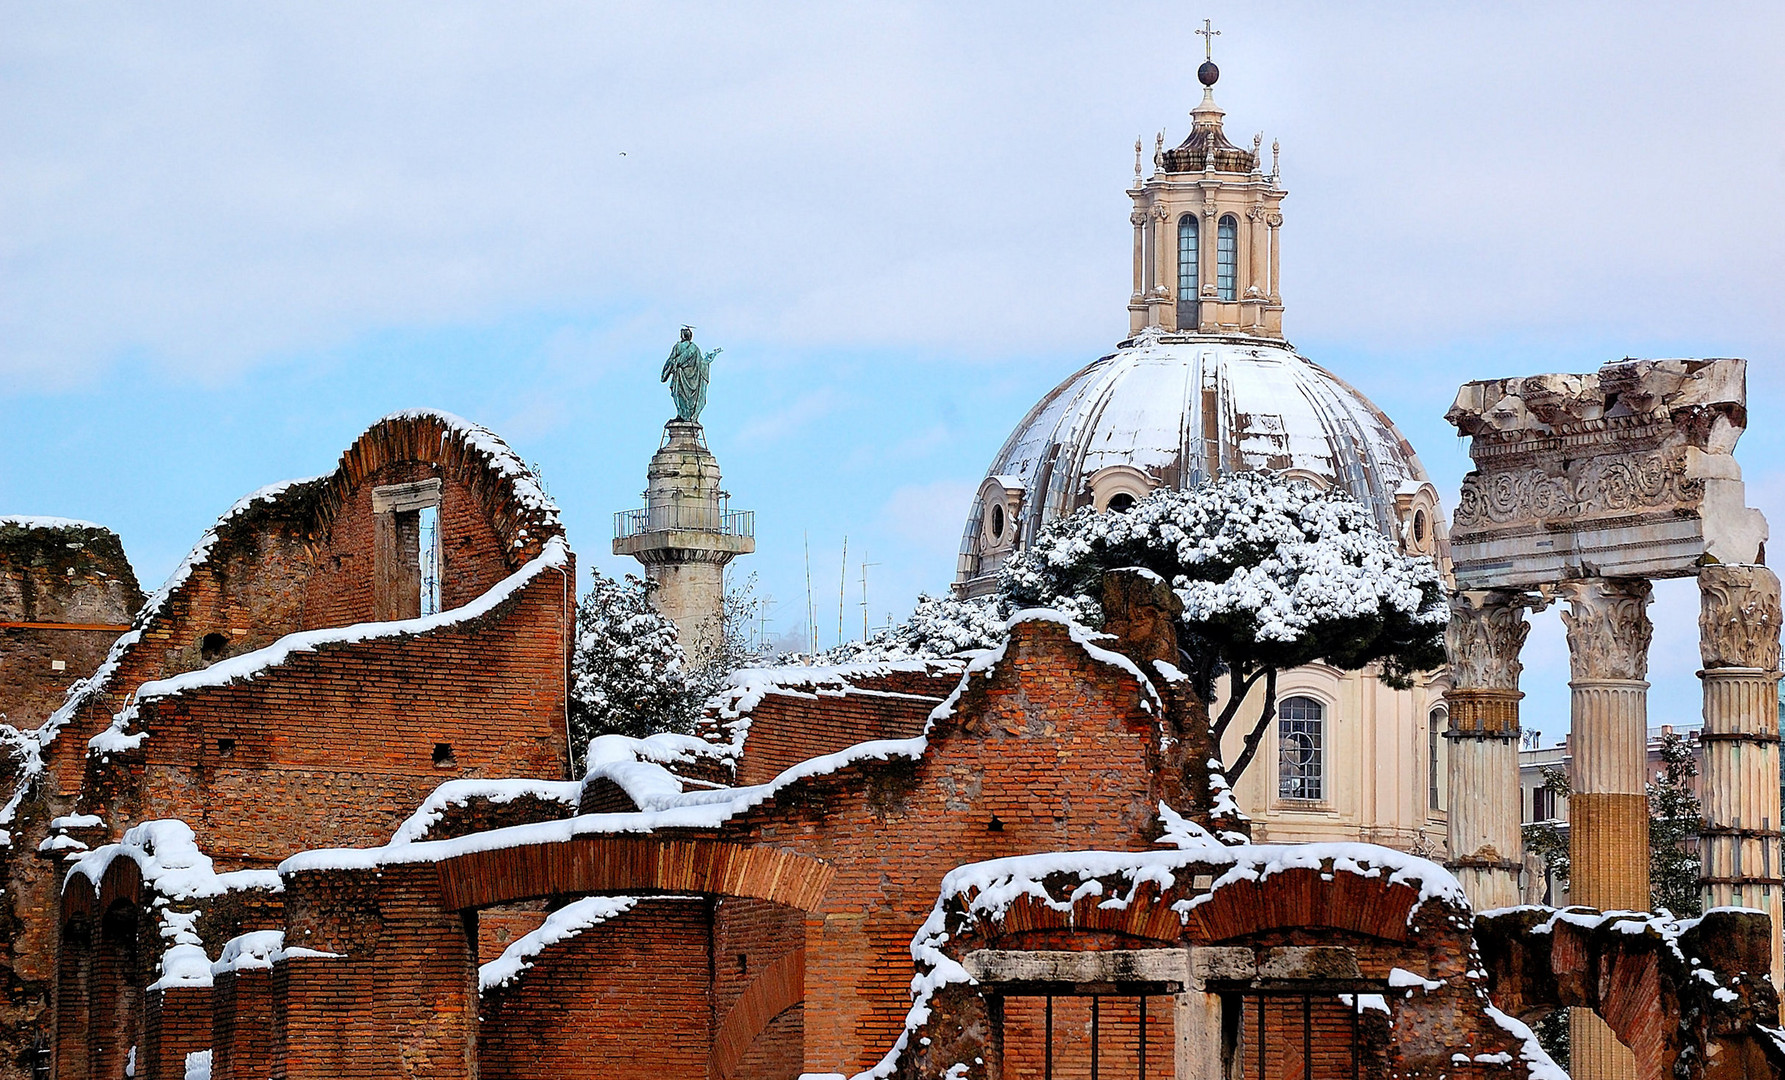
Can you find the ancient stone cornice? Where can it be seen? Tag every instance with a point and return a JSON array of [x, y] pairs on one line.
[[1706, 396]]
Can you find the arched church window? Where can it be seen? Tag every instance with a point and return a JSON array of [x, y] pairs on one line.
[[1227, 239], [1187, 272], [1301, 749], [1435, 758]]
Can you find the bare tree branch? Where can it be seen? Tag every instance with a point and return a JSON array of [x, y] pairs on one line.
[[1238, 690], [1265, 717]]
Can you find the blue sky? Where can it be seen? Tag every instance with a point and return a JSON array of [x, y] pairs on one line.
[[232, 237]]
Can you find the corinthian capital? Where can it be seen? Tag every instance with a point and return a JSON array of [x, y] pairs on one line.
[[1608, 628], [1482, 642], [1738, 617]]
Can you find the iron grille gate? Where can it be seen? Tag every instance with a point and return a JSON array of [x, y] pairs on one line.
[[1286, 1036], [1091, 1036]]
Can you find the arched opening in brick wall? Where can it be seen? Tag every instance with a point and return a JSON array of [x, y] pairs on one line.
[[106, 958], [1129, 990], [711, 945], [116, 980]]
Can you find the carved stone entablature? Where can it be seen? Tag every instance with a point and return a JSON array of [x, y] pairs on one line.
[[1624, 472], [1738, 620], [1608, 628], [1482, 642], [1609, 484]]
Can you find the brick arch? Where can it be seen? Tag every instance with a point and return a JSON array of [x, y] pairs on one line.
[[122, 879], [781, 986], [631, 865], [1300, 899], [473, 455], [1304, 899]]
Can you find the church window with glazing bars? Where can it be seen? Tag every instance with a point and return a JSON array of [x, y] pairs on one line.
[[1227, 238], [1187, 272], [1435, 759], [1301, 749]]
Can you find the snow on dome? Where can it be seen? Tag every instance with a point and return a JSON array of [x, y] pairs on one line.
[[1170, 410]]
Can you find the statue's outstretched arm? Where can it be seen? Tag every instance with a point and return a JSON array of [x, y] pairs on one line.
[[668, 366], [714, 353]]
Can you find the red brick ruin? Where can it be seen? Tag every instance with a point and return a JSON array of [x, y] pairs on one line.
[[297, 821]]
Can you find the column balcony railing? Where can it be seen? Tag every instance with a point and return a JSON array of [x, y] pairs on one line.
[[685, 517]]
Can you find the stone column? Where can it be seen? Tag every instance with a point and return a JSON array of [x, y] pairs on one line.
[[1164, 248], [1275, 221], [1139, 220], [684, 537], [1738, 640], [1137, 304], [1208, 255], [1486, 632], [1608, 812]]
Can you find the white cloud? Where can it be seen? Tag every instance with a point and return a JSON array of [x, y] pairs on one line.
[[215, 188]]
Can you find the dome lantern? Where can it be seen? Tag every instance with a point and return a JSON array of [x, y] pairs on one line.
[[1206, 232]]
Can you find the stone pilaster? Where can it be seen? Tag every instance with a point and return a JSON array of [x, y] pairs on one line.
[[1608, 812], [1738, 634], [1486, 632]]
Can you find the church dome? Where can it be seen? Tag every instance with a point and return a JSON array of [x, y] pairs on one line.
[[1172, 410]]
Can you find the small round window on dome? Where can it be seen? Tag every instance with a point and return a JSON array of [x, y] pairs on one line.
[[1121, 502], [997, 522], [1419, 527]]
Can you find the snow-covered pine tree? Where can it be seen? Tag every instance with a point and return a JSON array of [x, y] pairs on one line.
[[1675, 817], [941, 626], [1274, 574], [629, 675]]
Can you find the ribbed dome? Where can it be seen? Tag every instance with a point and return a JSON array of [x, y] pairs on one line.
[[1171, 409]]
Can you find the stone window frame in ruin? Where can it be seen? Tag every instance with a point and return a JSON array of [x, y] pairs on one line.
[[396, 576]]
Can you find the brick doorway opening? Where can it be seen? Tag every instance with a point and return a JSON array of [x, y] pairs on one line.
[[1087, 1037], [1289, 1036]]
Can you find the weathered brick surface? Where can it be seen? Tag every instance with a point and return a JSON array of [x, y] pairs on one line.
[[177, 1023], [1055, 746], [400, 999], [786, 729], [629, 998], [334, 746], [241, 1025], [341, 742]]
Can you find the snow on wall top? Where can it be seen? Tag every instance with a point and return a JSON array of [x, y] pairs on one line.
[[461, 792], [556, 555], [1178, 410], [497, 454], [663, 801], [561, 925], [984, 891], [38, 521]]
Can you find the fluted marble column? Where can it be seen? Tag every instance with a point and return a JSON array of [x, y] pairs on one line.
[[1608, 812], [1482, 643], [1738, 640]]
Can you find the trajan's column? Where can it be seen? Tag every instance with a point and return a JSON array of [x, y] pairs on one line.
[[1585, 489], [686, 533]]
